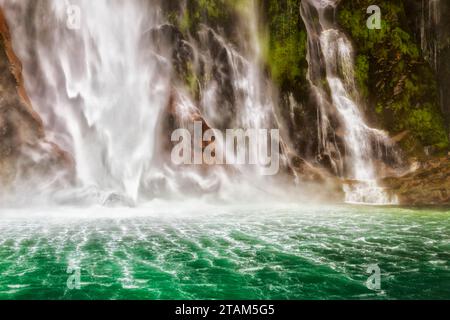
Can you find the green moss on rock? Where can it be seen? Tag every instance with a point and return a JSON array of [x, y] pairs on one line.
[[287, 44], [217, 14], [393, 75]]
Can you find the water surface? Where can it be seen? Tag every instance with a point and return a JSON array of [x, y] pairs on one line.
[[191, 251]]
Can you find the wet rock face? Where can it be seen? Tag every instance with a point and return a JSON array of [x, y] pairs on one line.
[[429, 184], [21, 129], [395, 77], [221, 68], [168, 37], [200, 61], [431, 27]]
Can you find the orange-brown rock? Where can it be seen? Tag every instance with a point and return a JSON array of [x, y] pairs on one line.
[[22, 135], [429, 184]]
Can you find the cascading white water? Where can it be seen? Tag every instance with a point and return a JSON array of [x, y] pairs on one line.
[[97, 89], [334, 50], [101, 88], [252, 95]]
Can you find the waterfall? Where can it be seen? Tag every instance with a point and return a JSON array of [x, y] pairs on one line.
[[331, 74], [429, 31], [98, 92], [102, 86], [253, 105], [434, 34]]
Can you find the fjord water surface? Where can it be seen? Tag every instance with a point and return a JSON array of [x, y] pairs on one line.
[[169, 251]]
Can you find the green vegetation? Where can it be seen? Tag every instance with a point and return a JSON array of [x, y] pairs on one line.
[[390, 70], [393, 75], [287, 44], [188, 18], [192, 81], [362, 67], [216, 14]]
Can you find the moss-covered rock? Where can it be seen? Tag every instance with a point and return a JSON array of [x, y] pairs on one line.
[[391, 71], [430, 25], [287, 44], [218, 14], [286, 58], [394, 76], [201, 24]]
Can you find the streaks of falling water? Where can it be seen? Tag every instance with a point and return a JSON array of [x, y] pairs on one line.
[[329, 47], [100, 90], [429, 36]]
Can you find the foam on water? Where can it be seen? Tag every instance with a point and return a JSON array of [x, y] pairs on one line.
[[275, 252]]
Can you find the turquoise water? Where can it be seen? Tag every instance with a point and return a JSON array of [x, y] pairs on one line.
[[229, 252]]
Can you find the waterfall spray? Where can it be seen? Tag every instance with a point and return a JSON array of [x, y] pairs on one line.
[[100, 81], [97, 89]]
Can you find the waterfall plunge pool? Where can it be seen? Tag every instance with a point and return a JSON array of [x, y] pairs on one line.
[[198, 251]]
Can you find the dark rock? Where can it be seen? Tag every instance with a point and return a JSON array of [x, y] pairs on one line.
[[169, 37]]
